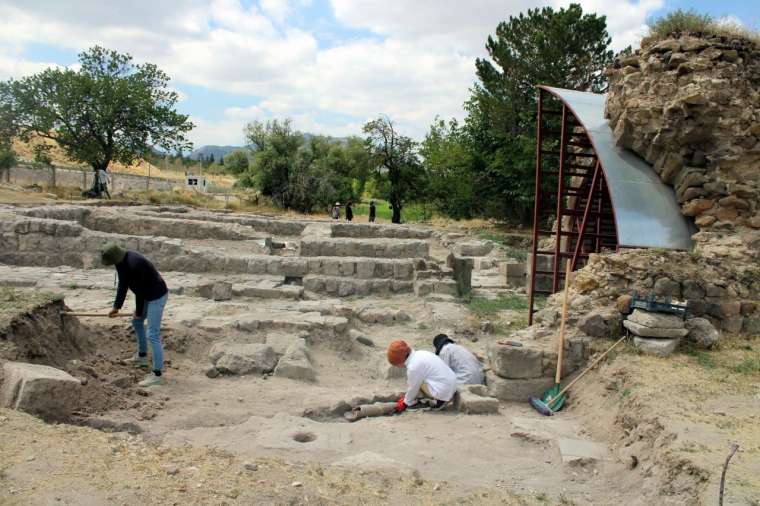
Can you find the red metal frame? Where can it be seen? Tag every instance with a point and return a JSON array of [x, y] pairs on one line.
[[583, 216]]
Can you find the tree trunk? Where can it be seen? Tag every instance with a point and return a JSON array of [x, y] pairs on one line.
[[396, 217]]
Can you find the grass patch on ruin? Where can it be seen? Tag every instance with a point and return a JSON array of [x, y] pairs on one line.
[[692, 22], [735, 354], [485, 307]]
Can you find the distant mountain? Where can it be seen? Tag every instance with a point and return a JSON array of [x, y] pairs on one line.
[[217, 151]]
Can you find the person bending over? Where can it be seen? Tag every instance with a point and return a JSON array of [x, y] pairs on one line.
[[468, 369], [426, 374], [138, 274]]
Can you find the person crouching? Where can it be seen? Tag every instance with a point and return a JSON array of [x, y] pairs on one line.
[[426, 376], [466, 366]]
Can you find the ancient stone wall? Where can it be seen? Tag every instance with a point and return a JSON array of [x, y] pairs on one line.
[[22, 175]]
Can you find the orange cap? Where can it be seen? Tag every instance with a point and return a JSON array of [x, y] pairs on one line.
[[397, 352]]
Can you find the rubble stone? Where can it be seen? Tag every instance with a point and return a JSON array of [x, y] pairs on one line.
[[475, 401], [702, 333], [516, 390], [238, 359], [295, 364], [40, 390]]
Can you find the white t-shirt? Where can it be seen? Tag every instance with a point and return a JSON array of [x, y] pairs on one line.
[[425, 367], [465, 365]]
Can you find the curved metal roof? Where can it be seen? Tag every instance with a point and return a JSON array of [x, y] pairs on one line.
[[647, 214]]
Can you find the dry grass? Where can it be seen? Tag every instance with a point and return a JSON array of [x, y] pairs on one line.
[[691, 22]]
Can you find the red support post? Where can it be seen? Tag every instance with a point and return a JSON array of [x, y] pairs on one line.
[[536, 204]]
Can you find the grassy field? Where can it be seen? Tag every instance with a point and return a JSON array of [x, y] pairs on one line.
[[409, 214]]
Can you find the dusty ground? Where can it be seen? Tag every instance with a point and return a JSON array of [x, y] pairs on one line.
[[661, 427]]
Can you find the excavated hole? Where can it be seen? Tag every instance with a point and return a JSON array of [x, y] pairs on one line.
[[304, 437]]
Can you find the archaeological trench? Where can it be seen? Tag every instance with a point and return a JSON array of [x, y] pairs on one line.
[[277, 327]]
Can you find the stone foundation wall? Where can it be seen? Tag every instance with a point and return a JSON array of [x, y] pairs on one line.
[[367, 230], [376, 248], [23, 176]]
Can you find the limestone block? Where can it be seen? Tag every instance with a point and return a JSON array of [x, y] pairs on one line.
[[666, 287], [252, 358], [40, 390], [295, 364], [653, 346], [515, 362], [516, 390], [365, 269], [384, 315], [644, 331], [291, 266], [732, 324], [600, 323], [702, 332], [656, 320], [474, 248], [474, 402]]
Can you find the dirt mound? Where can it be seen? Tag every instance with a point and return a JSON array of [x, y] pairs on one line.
[[39, 334]]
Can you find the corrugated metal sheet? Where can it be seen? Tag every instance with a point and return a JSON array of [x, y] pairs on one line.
[[647, 214]]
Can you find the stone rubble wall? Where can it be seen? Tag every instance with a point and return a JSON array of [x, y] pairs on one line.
[[374, 248], [373, 231], [267, 225]]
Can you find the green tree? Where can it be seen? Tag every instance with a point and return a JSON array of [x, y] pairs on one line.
[[450, 168], [236, 162], [276, 145], [111, 109], [564, 48], [221, 161], [395, 159], [7, 160]]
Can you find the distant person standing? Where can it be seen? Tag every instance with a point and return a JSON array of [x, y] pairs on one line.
[[372, 211], [349, 211], [103, 181], [336, 211]]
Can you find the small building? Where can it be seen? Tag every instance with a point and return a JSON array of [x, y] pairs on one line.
[[197, 183]]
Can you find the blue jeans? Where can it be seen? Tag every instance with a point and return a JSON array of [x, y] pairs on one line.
[[153, 311]]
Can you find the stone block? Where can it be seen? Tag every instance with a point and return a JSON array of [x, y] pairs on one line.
[[666, 287], [644, 331], [515, 362], [40, 390], [475, 401], [384, 315], [574, 450], [656, 320], [702, 332], [732, 324], [516, 390], [295, 364], [601, 323], [653, 346], [255, 358], [474, 248]]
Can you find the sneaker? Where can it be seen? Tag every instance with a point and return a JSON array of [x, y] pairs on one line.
[[152, 380], [438, 406], [137, 361], [420, 405]]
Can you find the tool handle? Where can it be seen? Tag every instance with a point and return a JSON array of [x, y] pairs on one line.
[[561, 345], [119, 315], [567, 387]]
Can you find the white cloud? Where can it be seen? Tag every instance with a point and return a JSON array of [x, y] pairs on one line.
[[418, 63]]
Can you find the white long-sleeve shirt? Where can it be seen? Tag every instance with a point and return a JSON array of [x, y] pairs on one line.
[[465, 365], [425, 367]]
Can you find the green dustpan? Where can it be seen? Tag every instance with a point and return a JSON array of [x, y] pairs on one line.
[[552, 400]]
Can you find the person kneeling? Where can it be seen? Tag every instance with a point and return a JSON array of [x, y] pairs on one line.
[[426, 374], [466, 366]]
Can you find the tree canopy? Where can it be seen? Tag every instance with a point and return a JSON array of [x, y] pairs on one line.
[[110, 109], [496, 146], [395, 160]]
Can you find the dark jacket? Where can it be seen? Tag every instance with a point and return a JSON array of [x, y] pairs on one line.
[[349, 212], [138, 274], [372, 212]]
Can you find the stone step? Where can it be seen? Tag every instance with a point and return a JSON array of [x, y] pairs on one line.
[[345, 286], [433, 274], [267, 289], [371, 230], [440, 286], [312, 323], [371, 248]]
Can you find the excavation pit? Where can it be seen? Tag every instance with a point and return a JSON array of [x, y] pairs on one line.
[[304, 437]]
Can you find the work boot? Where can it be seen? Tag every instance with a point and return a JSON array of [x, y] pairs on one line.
[[420, 405], [438, 405], [137, 361], [152, 380]]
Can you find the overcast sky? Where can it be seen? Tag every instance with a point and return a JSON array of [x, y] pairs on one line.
[[330, 65]]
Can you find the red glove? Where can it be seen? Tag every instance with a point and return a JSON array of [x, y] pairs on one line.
[[400, 405]]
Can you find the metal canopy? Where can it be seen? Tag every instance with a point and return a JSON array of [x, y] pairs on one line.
[[646, 212]]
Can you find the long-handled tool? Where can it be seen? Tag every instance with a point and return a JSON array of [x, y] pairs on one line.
[[546, 410], [103, 315], [552, 397]]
